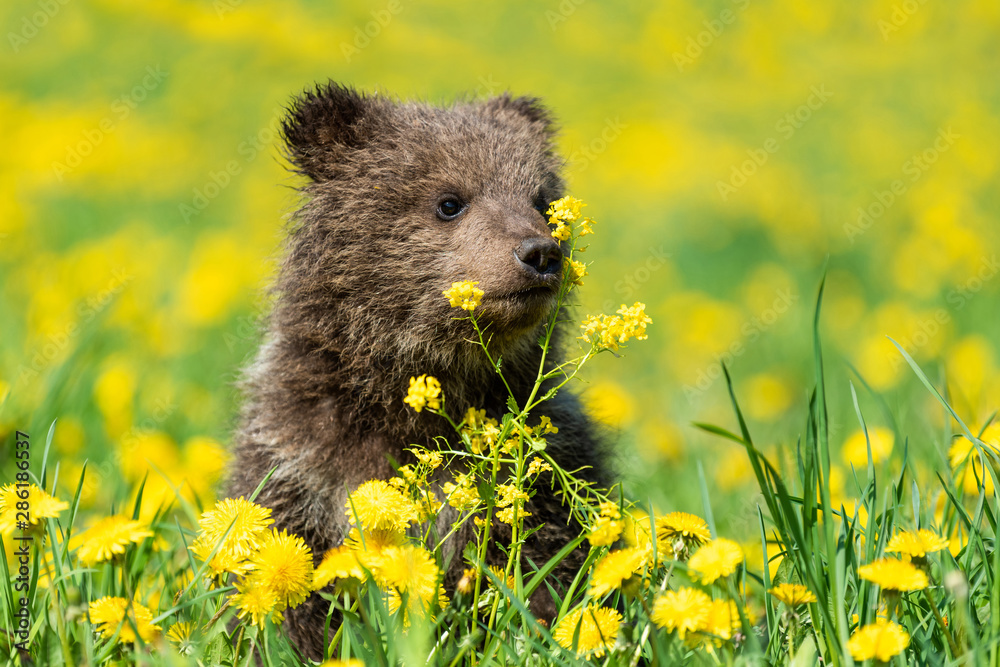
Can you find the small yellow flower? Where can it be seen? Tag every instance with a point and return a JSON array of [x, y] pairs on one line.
[[464, 295], [40, 506], [429, 458], [586, 227], [916, 545], [109, 537], [108, 615], [855, 450], [249, 523], [180, 635], [545, 426], [610, 331], [412, 570], [881, 640], [894, 574], [718, 558], [353, 662], [537, 466], [283, 564], [598, 630], [258, 602], [338, 563], [793, 594], [680, 531], [462, 495], [467, 582], [509, 515], [566, 209], [610, 508], [424, 392], [378, 506], [508, 581], [685, 610], [723, 620], [604, 532], [575, 271], [613, 569]]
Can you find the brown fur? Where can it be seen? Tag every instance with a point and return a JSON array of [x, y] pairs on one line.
[[359, 308]]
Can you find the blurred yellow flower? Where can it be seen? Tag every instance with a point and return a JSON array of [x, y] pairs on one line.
[[855, 450], [610, 403], [881, 640], [40, 505], [114, 393], [598, 630], [575, 271], [464, 295], [966, 465], [768, 397], [894, 574], [613, 569], [916, 544], [109, 537], [604, 532], [424, 391], [793, 594], [723, 620], [411, 570], [108, 616], [719, 558], [685, 610], [338, 563]]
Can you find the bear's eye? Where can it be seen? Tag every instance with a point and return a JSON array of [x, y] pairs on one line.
[[450, 208], [541, 205]]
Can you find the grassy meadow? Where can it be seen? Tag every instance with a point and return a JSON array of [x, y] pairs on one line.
[[803, 195]]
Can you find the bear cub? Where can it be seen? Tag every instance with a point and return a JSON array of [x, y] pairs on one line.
[[402, 199]]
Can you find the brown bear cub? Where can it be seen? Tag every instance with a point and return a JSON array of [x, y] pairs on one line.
[[403, 199]]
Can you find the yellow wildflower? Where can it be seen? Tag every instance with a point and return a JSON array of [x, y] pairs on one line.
[[108, 616], [538, 466], [610, 331], [881, 640], [677, 532], [685, 610], [575, 271], [855, 450], [283, 564], [718, 558], [464, 295], [338, 563], [468, 580], [598, 630], [511, 514], [412, 570], [604, 532], [259, 602], [613, 569], [353, 662], [722, 621], [462, 495], [793, 594], [610, 508], [429, 458], [180, 635], [566, 209], [378, 506], [424, 392], [109, 537], [249, 523], [894, 574], [916, 545], [40, 505], [586, 227], [545, 426], [508, 580]]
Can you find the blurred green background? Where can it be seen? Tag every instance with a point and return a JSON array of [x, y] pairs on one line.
[[728, 150]]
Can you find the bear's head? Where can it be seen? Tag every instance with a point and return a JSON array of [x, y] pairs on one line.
[[402, 200]]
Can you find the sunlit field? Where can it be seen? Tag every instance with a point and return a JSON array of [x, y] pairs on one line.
[[803, 198]]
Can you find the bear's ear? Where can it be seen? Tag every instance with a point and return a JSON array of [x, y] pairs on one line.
[[323, 124], [530, 108]]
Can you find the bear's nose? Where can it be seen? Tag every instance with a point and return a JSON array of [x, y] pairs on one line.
[[540, 254]]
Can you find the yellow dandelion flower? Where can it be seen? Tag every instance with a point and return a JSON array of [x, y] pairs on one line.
[[180, 635], [258, 602], [638, 531], [109, 537], [467, 582], [353, 662], [464, 295], [412, 570], [368, 546], [881, 640], [615, 568], [575, 271], [378, 506], [249, 523], [855, 450], [508, 581], [680, 531], [604, 532], [722, 621], [108, 614], [718, 558], [894, 574], [338, 563], [967, 466], [39, 503], [424, 392], [283, 564], [598, 630], [793, 594], [684, 610], [916, 545]]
